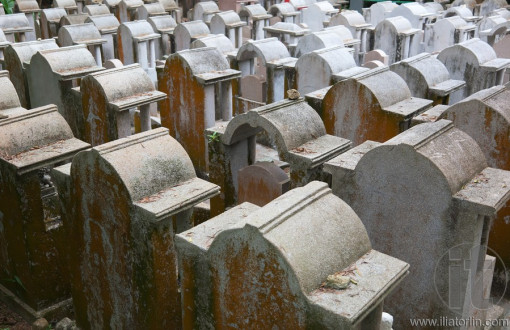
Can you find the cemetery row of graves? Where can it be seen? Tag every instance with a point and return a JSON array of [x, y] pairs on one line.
[[254, 165]]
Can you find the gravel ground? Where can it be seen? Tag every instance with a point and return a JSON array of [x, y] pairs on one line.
[[10, 320]]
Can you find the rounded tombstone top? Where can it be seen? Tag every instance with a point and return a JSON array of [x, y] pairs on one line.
[[162, 23], [203, 60], [226, 18], [98, 9], [317, 40], [219, 41], [69, 35], [348, 18], [252, 11], [26, 6], [282, 9], [398, 24], [105, 23], [473, 51], [138, 29], [268, 50], [53, 14], [204, 8], [192, 29]]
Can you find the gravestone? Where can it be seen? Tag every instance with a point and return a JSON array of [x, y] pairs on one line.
[[427, 78], [70, 6], [53, 76], [292, 127], [150, 10], [124, 200], [31, 239], [256, 18], [83, 34], [187, 32], [9, 101], [50, 22], [484, 116], [284, 12], [475, 62], [109, 96], [397, 38], [164, 25], [31, 10], [365, 107], [415, 13], [261, 182], [15, 27], [96, 10], [324, 67], [266, 59], [378, 12], [205, 96], [317, 15], [360, 29], [204, 11], [288, 33], [218, 41], [128, 9], [447, 32], [266, 267], [3, 44], [229, 24], [108, 26], [139, 46], [316, 41], [17, 60], [456, 204]]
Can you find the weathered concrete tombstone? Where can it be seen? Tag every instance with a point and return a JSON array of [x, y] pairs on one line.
[[475, 62], [139, 46], [324, 67], [9, 104], [219, 41], [31, 238], [415, 13], [150, 10], [83, 34], [171, 7], [316, 41], [50, 21], [69, 6], [292, 127], [31, 10], [427, 78], [54, 74], [95, 10], [349, 41], [378, 12], [108, 26], [284, 12], [228, 23], [288, 33], [15, 27], [447, 32], [464, 12], [264, 61], [456, 204], [124, 198], [318, 14], [360, 29], [485, 117], [261, 182], [272, 251], [205, 96], [364, 107], [256, 18], [17, 59], [164, 25], [128, 10], [109, 95], [493, 28], [187, 32], [73, 19], [397, 38], [204, 11]]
